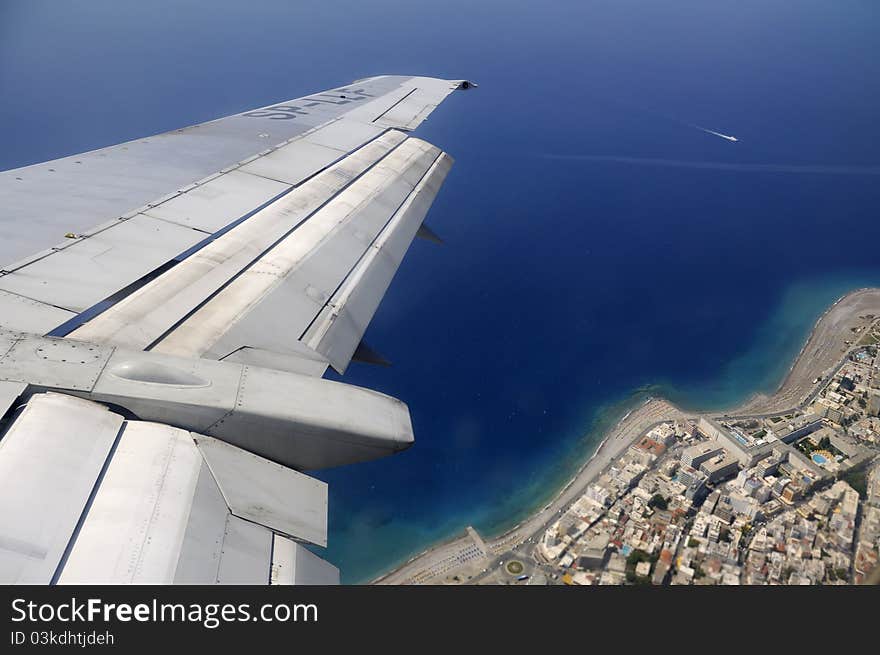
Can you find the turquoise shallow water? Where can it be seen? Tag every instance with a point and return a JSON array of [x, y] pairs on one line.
[[763, 365]]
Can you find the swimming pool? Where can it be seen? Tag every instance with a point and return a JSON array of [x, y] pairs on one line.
[[819, 459]]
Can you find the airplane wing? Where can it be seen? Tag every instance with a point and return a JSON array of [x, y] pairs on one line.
[[168, 307]]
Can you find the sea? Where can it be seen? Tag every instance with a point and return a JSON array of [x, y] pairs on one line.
[[600, 247]]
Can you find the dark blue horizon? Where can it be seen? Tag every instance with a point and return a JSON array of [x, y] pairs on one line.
[[571, 279]]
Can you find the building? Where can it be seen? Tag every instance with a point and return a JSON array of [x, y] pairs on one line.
[[760, 492], [685, 429], [688, 474], [827, 408], [646, 450], [710, 502], [593, 550], [770, 464], [799, 426], [694, 481], [599, 494], [844, 444], [724, 510], [744, 505], [664, 433], [719, 467], [748, 449], [779, 485], [699, 453], [791, 492], [874, 402], [660, 571]]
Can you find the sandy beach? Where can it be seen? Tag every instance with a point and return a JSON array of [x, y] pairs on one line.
[[822, 352]]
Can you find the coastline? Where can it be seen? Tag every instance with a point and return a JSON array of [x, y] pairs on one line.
[[822, 351]]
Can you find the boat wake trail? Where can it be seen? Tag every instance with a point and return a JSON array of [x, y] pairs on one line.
[[723, 136]]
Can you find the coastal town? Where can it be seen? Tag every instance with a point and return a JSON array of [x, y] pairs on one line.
[[783, 500], [788, 497]]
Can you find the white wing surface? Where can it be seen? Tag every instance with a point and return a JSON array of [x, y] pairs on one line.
[[168, 307]]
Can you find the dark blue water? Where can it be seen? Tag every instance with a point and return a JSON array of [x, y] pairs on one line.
[[566, 285]]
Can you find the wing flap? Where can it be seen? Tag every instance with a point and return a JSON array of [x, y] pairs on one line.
[[202, 547], [246, 557], [294, 564], [88, 497], [291, 284], [263, 492], [50, 458], [339, 327], [137, 521]]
